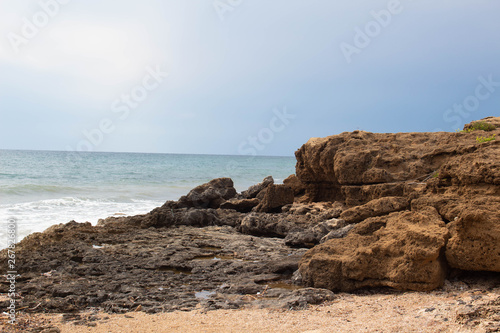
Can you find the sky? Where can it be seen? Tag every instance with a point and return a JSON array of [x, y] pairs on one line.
[[257, 77]]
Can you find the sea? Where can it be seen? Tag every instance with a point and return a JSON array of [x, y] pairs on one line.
[[41, 188]]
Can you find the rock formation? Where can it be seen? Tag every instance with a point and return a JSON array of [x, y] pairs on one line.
[[363, 210], [441, 192]]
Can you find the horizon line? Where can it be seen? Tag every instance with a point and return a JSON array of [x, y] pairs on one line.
[[135, 152]]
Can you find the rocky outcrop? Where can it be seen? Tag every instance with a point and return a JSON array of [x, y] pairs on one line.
[[265, 225], [401, 250], [437, 196], [360, 166]]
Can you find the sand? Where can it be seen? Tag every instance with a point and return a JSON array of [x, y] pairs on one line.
[[401, 312]]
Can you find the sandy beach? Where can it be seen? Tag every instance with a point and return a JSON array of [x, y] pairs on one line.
[[457, 308]]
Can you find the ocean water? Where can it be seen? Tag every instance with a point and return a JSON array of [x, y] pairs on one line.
[[42, 188]]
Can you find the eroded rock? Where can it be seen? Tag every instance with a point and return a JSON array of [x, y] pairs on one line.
[[240, 205], [209, 195], [254, 190], [402, 250], [377, 207], [275, 197]]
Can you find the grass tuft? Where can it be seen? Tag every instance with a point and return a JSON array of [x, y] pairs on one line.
[[481, 139], [479, 126]]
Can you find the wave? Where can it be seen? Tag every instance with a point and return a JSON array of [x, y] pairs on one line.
[[36, 216], [36, 188]]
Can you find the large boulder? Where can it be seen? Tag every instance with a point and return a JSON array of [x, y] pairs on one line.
[[402, 250], [275, 197], [466, 193], [209, 195], [475, 237]]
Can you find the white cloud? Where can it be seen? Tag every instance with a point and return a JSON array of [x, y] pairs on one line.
[[95, 57], [96, 52]]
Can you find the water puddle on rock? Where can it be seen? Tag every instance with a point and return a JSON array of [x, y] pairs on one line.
[[214, 257], [204, 294]]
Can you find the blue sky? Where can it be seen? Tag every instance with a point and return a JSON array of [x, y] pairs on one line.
[[240, 76]]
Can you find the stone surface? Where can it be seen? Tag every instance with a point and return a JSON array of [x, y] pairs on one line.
[[339, 233], [254, 190], [117, 269], [275, 197], [401, 250], [311, 236], [368, 166], [240, 205], [209, 195], [377, 207], [295, 184], [475, 239], [265, 225]]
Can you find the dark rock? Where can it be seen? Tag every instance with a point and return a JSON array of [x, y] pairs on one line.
[[172, 264], [200, 218], [254, 190], [209, 195], [339, 233], [265, 225], [240, 205], [299, 299], [312, 235]]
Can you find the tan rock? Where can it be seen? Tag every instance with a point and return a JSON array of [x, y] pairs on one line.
[[275, 197], [377, 207], [475, 239], [295, 184], [360, 166], [401, 250]]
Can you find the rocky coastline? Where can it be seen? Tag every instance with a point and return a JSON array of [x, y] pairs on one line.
[[364, 213]]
